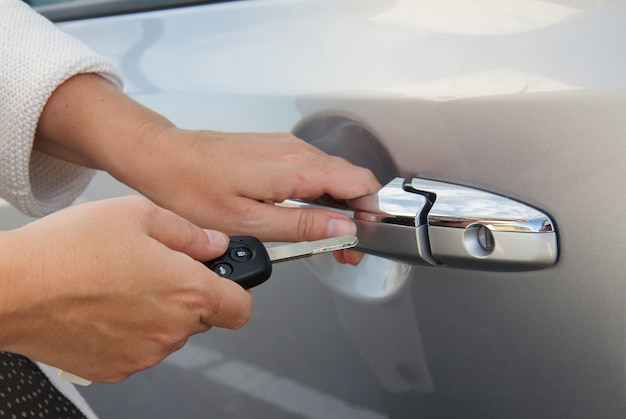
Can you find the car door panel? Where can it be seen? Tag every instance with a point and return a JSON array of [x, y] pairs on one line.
[[524, 101]]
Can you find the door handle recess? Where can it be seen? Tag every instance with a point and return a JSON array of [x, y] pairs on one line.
[[429, 222]]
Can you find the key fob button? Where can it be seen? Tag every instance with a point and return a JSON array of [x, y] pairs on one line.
[[222, 269], [241, 254]]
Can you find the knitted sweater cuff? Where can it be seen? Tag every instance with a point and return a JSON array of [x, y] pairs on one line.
[[37, 58]]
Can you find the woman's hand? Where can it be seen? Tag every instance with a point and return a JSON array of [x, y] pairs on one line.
[[225, 181], [106, 289], [230, 181]]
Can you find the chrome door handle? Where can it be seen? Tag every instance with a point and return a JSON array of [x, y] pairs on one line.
[[471, 228], [436, 223]]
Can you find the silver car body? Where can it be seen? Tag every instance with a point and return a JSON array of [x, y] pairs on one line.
[[523, 99]]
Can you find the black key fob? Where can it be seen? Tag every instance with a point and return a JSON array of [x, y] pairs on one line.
[[246, 262]]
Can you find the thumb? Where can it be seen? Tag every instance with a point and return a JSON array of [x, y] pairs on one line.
[[183, 236], [217, 245]]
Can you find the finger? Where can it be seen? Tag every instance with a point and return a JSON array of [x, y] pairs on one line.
[[331, 176], [273, 223], [209, 299], [348, 256], [342, 180], [183, 236], [340, 256], [228, 305]]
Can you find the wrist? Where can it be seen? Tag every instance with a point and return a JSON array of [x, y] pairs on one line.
[[137, 153], [159, 150], [90, 122]]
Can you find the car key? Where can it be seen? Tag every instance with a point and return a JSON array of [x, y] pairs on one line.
[[249, 263]]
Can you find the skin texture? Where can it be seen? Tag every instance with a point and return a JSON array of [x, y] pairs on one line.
[[102, 307], [106, 289]]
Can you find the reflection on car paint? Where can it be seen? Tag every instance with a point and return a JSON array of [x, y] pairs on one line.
[[387, 337], [375, 278], [377, 315], [281, 392]]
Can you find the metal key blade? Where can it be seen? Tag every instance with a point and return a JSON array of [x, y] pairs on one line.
[[305, 249]]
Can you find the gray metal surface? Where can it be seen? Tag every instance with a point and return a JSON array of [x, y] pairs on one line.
[[523, 100]]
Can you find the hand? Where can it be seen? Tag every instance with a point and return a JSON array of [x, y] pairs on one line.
[[106, 289], [231, 181], [217, 180]]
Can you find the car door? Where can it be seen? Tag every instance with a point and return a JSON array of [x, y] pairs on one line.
[[519, 100]]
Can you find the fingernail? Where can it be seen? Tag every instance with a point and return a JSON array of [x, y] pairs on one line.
[[340, 227], [217, 238]]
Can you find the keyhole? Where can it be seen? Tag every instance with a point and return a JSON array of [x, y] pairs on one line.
[[485, 238]]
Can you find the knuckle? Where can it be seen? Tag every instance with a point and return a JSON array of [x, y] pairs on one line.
[[306, 227], [190, 233], [195, 305], [230, 313], [244, 315], [251, 218]]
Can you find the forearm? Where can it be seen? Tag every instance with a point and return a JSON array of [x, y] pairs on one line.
[[90, 122]]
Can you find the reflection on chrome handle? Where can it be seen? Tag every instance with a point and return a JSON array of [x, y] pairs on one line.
[[436, 223], [389, 223]]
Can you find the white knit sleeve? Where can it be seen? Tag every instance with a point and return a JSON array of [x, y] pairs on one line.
[[35, 58]]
